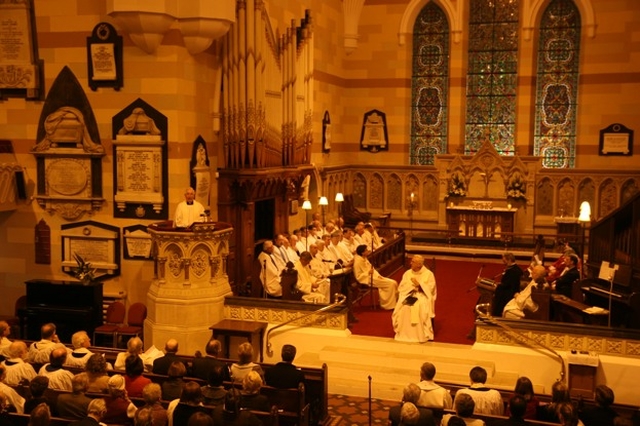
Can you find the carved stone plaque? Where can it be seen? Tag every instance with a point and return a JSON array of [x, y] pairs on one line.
[[68, 151], [139, 171], [20, 68], [97, 243], [137, 242], [140, 168]]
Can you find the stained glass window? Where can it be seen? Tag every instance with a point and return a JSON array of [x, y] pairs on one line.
[[429, 85], [492, 75], [557, 85]]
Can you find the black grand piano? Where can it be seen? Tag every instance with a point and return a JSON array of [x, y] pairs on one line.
[[615, 240], [70, 305]]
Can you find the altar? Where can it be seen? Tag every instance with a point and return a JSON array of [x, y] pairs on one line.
[[480, 222]]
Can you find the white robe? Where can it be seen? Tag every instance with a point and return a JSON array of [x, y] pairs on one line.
[[522, 301], [305, 285], [270, 275], [387, 287], [413, 323], [187, 214]]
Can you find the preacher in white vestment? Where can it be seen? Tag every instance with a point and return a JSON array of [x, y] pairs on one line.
[[365, 273], [412, 315], [188, 211]]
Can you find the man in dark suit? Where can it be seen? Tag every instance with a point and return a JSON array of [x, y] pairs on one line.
[[96, 411], [202, 366], [285, 375], [509, 284], [563, 285], [162, 364]]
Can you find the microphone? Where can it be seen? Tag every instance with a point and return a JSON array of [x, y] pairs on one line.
[[479, 273], [327, 261]]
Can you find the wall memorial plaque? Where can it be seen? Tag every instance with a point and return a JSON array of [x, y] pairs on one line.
[[68, 151], [616, 140], [137, 242], [140, 166], [104, 57], [97, 243], [21, 72]]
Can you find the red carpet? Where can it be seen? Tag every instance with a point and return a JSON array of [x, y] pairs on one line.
[[454, 305]]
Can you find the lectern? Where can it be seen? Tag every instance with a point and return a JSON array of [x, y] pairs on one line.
[[583, 367]]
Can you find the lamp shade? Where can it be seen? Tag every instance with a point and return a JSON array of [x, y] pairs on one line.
[[585, 212], [339, 197], [323, 201], [306, 205]]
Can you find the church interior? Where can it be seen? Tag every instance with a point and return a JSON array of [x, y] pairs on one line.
[[462, 126]]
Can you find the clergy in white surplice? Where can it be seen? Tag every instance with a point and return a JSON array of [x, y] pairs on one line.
[[412, 316]]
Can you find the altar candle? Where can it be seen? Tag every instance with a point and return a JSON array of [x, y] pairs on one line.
[[509, 206], [412, 197]]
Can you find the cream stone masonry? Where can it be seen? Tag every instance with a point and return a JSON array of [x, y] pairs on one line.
[[190, 283]]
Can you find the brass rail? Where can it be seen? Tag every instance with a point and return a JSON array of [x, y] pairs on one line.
[[339, 300], [519, 337]]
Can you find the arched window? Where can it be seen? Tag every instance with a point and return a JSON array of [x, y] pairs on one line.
[[492, 76], [557, 85], [429, 85]]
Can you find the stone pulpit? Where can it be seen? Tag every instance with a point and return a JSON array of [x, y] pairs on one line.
[[190, 283]]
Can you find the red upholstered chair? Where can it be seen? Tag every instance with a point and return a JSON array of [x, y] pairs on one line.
[[135, 321], [115, 318]]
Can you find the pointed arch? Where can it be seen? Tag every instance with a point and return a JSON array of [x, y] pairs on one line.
[[533, 10], [413, 9], [376, 193], [394, 192]]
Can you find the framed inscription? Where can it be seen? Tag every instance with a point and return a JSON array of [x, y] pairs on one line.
[[616, 140], [140, 162], [137, 242], [68, 151], [104, 57], [97, 243], [21, 71]]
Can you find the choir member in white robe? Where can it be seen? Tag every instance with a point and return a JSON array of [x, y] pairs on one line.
[[365, 273], [412, 321], [269, 274], [522, 301], [315, 290]]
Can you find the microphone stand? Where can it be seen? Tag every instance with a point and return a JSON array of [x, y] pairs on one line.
[[369, 377], [264, 277], [613, 272]]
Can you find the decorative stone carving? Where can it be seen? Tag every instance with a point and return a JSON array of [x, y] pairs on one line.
[[68, 151], [97, 243], [187, 294], [140, 153]]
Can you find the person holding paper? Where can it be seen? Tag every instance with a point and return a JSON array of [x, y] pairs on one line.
[[416, 305]]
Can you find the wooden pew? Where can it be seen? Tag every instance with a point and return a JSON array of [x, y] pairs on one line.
[[490, 419], [23, 420]]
